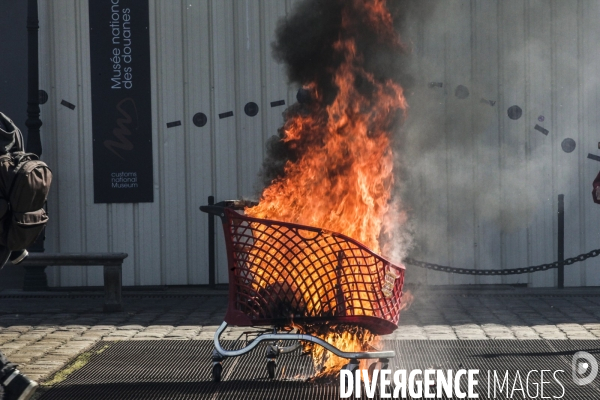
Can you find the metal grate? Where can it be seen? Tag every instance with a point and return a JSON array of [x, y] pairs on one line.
[[283, 271], [181, 369], [502, 356]]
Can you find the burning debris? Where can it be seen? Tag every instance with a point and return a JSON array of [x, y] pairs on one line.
[[331, 166]]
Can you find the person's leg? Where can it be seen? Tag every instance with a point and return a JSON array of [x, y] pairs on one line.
[[16, 385]]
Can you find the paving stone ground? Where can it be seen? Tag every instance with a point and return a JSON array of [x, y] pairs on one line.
[[43, 332]]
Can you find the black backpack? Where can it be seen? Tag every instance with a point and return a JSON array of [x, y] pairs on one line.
[[24, 185]]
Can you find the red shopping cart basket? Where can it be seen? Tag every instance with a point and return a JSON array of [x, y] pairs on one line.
[[282, 273]]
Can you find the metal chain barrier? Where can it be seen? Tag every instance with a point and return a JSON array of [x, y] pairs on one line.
[[513, 271]]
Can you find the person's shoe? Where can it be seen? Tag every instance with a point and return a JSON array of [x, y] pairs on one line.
[[4, 255], [18, 387], [17, 256]]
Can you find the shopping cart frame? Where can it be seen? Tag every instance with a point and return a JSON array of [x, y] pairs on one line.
[[239, 317]]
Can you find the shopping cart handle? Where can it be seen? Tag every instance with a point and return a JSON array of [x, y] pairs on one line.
[[215, 210]]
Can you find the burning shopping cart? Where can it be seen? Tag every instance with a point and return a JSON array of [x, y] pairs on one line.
[[283, 275]]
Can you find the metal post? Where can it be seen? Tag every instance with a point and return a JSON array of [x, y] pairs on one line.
[[34, 144], [35, 277], [211, 245], [561, 240]]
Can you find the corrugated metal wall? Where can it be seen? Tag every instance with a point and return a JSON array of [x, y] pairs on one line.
[[207, 56], [213, 56], [487, 184]]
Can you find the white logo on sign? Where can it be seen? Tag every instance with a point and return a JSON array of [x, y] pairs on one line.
[[585, 368]]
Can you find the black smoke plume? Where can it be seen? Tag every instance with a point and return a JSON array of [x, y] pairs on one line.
[[305, 44]]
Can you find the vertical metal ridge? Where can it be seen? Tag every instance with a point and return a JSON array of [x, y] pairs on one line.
[[263, 74], [581, 134], [136, 246], [53, 95], [186, 138], [553, 123], [450, 254], [501, 145], [474, 82], [561, 240], [159, 134], [111, 235], [81, 109], [528, 114], [236, 90], [148, 241], [212, 119]]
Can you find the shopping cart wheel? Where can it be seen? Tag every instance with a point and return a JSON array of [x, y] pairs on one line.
[[217, 369], [372, 368], [381, 364], [271, 365], [351, 366]]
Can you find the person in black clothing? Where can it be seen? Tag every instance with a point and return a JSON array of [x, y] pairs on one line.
[[13, 384]]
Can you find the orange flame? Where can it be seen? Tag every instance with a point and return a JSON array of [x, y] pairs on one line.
[[343, 177], [346, 338]]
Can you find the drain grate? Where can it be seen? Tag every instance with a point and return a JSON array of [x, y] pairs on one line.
[[181, 370]]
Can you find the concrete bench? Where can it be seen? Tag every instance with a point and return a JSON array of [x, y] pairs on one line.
[[112, 262]]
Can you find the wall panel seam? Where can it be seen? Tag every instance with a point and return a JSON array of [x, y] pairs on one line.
[[580, 154], [236, 93], [160, 138], [80, 124], [186, 138], [501, 105], [53, 66]]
